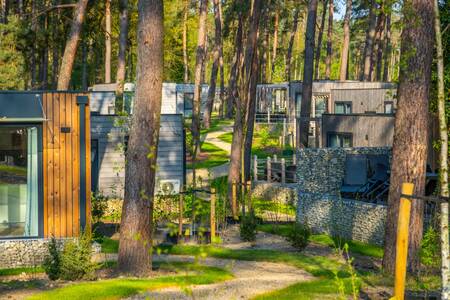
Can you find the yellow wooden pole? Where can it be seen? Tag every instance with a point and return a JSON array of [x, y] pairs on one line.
[[212, 215], [402, 241]]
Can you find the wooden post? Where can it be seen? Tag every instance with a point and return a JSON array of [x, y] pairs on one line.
[[283, 171], [233, 200], [212, 215], [255, 168], [402, 242], [269, 170], [180, 217]]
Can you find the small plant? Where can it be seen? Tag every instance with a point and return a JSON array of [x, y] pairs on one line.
[[76, 259], [52, 262], [430, 251], [99, 204], [248, 227], [353, 282], [264, 134], [299, 236]]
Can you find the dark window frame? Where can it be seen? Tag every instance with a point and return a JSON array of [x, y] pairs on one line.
[[343, 134], [40, 180], [344, 103]]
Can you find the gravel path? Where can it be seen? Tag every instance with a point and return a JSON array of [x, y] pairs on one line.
[[251, 278]]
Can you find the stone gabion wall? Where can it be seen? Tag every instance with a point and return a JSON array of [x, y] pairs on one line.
[[320, 173], [282, 193]]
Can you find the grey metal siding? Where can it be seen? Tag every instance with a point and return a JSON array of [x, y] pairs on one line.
[[364, 100], [111, 160]]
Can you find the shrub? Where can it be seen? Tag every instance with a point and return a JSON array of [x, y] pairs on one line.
[[76, 259], [430, 250], [52, 262], [299, 236], [248, 228], [99, 204]]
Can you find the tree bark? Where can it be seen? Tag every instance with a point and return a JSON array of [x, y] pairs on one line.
[[387, 49], [409, 155], [291, 44], [319, 39], [215, 67], [307, 74], [185, 55], [265, 45], [329, 41], [199, 64], [221, 67], [275, 43], [377, 51], [370, 35], [443, 156], [137, 214], [123, 42], [71, 46], [346, 42], [44, 57], [84, 75], [107, 41]]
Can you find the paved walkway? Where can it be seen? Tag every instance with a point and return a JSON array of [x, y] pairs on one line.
[[251, 279]]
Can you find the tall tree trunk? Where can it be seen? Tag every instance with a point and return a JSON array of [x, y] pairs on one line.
[[44, 57], [253, 61], [221, 67], [33, 62], [346, 42], [307, 74], [370, 35], [409, 155], [84, 75], [265, 45], [443, 157], [329, 41], [185, 55], [55, 44], [387, 49], [71, 46], [291, 44], [275, 42], [377, 48], [199, 64], [319, 39], [107, 41], [137, 214], [234, 72], [123, 42], [215, 67]]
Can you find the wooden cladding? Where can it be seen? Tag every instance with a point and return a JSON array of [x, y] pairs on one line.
[[61, 164]]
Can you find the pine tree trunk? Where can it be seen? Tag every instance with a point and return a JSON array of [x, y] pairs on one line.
[[409, 155], [370, 35], [185, 55], [136, 226], [329, 41], [55, 44], [215, 67], [307, 74], [44, 57], [199, 66], [84, 75], [377, 49], [443, 157], [123, 42], [291, 44], [107, 41], [221, 67], [275, 43], [387, 49], [265, 45], [346, 42], [33, 60], [319, 39], [71, 46]]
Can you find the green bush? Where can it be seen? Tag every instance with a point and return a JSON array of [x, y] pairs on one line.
[[299, 236], [52, 262], [248, 227], [76, 259], [99, 204], [430, 250]]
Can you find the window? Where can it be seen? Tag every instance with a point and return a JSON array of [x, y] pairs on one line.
[[343, 108], [337, 139], [188, 99], [388, 107], [321, 106], [298, 103], [19, 174], [279, 100]]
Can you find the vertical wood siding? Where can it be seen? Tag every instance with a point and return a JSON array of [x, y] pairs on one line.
[[61, 161]]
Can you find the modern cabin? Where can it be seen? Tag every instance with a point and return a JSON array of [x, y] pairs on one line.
[[45, 171]]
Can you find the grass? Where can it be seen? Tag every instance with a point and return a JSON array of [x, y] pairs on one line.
[[188, 274], [216, 157], [109, 245], [323, 239], [20, 171], [18, 271], [226, 137], [261, 205]]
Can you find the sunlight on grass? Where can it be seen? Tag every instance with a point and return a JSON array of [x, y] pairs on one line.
[[190, 274], [261, 205], [109, 245], [216, 157], [226, 137], [18, 271]]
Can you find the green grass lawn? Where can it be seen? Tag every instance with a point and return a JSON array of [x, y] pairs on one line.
[[18, 271], [109, 245], [261, 205], [323, 239], [226, 137], [188, 274], [216, 157]]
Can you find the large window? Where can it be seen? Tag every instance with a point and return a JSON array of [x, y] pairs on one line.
[[188, 99], [342, 108], [338, 139], [320, 106], [19, 192]]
